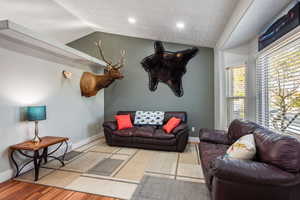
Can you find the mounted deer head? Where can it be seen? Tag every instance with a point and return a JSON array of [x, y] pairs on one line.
[[91, 83]]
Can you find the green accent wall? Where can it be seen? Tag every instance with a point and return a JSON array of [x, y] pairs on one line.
[[132, 93]]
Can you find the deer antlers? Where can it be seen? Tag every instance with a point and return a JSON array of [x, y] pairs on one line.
[[118, 65]]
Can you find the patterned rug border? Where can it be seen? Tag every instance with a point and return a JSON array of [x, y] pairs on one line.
[[130, 157], [124, 164], [112, 177], [109, 178]]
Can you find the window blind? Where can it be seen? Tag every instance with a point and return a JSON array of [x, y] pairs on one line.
[[278, 86]]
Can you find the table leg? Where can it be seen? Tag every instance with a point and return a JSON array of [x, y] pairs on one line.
[[45, 154], [36, 162], [61, 159], [66, 150], [15, 163]]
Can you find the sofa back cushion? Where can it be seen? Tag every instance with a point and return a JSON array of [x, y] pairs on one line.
[[131, 113], [168, 115], [279, 150], [179, 115], [239, 128]]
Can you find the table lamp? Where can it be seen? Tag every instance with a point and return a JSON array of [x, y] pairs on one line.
[[36, 114]]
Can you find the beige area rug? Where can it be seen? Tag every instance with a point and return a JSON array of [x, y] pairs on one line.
[[157, 188], [117, 172]]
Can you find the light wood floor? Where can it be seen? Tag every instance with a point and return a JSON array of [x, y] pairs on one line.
[[16, 190]]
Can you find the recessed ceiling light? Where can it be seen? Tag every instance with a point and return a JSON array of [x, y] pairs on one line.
[[180, 25], [131, 20]]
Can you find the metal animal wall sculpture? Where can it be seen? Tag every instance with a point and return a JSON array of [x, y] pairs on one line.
[[91, 83], [167, 67]]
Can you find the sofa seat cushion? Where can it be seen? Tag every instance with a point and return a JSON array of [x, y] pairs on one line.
[[160, 134], [210, 151], [125, 132], [144, 131], [154, 141], [120, 140], [208, 154]]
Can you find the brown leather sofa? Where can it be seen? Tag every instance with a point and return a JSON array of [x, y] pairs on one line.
[[273, 175], [148, 137]]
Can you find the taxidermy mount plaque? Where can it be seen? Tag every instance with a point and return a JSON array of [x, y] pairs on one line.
[[167, 67], [91, 83], [67, 75]]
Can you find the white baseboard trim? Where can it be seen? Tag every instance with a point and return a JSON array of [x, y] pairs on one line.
[[8, 174], [86, 141], [194, 139]]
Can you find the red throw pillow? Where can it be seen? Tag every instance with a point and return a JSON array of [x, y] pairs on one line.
[[123, 121], [171, 124]]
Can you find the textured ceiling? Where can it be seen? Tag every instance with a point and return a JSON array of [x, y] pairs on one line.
[[204, 20]]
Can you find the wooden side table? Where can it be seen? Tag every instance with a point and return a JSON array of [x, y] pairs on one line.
[[37, 158]]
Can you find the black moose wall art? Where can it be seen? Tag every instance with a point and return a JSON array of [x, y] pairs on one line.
[[167, 67]]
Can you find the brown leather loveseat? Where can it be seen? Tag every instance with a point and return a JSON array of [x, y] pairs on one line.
[[273, 175], [148, 137]]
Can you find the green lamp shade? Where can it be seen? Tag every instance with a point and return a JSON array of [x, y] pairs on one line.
[[36, 113]]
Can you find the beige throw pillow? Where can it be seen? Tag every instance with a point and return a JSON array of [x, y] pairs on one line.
[[244, 148]]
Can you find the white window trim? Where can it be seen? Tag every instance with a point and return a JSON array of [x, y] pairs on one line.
[[229, 97]]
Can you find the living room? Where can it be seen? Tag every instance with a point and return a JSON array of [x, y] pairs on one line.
[[148, 100]]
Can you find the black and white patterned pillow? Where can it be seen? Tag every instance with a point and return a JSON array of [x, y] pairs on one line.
[[149, 117]]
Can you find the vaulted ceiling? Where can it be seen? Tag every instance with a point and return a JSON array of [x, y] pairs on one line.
[[204, 20], [67, 20], [45, 17]]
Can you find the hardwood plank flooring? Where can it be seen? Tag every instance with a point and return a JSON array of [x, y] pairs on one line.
[[16, 190]]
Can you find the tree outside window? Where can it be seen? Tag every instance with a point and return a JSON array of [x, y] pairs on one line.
[[236, 92], [284, 91]]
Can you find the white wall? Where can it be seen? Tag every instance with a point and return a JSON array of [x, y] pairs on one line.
[[219, 92], [251, 78], [26, 80], [228, 58], [236, 56]]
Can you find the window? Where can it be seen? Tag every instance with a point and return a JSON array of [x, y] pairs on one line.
[[236, 92], [278, 87]]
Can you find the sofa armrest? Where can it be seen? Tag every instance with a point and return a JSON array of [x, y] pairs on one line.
[[214, 136], [181, 128], [247, 171], [111, 125]]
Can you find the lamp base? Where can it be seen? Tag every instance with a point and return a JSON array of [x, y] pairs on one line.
[[36, 138]]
